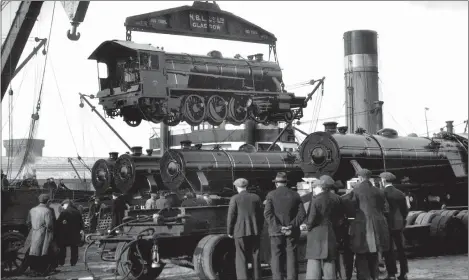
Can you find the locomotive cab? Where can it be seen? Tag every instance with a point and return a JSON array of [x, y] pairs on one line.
[[132, 70]]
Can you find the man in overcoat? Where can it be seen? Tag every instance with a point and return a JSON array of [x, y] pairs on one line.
[[369, 233], [325, 215], [69, 229], [41, 223], [284, 212], [118, 208], [396, 221], [244, 222]]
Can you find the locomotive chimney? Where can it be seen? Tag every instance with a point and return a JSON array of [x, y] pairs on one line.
[[342, 129], [449, 126], [186, 144], [149, 152], [136, 151], [330, 127], [259, 57], [113, 155], [250, 132]]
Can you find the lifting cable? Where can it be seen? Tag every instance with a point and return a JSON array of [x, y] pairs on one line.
[[66, 117], [35, 116]]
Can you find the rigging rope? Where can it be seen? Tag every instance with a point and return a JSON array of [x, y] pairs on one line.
[[35, 117]]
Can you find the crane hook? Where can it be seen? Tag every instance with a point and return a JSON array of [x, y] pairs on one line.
[[72, 33]]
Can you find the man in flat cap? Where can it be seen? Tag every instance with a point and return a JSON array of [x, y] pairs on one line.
[[324, 216], [244, 225], [70, 227], [369, 233], [41, 223], [284, 212], [396, 221]]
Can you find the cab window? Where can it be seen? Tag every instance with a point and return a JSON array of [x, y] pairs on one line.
[[149, 61]]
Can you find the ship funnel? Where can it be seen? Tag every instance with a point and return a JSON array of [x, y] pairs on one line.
[[136, 151], [113, 155], [449, 127], [330, 127]]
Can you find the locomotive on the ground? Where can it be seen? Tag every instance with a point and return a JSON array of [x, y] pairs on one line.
[[146, 83], [436, 166]]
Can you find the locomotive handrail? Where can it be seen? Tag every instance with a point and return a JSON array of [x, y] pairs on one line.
[[380, 148]]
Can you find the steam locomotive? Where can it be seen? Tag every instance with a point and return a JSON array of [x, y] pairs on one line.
[[146, 83], [436, 166]]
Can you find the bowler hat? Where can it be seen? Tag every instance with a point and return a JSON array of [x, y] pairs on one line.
[[281, 177], [240, 183], [388, 176], [364, 173], [327, 180], [44, 198]]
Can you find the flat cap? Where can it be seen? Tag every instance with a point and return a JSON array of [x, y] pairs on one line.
[[388, 176], [327, 180], [281, 177], [66, 201], [240, 183], [43, 198], [364, 173]]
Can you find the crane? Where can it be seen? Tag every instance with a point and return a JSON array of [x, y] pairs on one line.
[[22, 25]]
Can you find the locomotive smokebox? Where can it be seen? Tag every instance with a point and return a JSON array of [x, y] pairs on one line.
[[330, 127], [361, 80], [449, 126]]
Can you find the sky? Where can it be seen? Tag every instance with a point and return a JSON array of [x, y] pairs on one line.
[[422, 48]]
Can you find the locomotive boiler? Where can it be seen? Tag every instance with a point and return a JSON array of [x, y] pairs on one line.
[[432, 163], [146, 83], [214, 171]]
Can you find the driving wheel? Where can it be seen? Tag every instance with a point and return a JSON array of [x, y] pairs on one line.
[[194, 110], [238, 111], [172, 119], [14, 260], [262, 118], [217, 110]]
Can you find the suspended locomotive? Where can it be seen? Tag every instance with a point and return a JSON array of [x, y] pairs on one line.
[[146, 83]]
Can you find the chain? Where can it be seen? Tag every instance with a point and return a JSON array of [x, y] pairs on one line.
[[128, 35]]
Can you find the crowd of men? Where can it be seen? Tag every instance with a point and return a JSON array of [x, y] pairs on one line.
[[360, 225], [49, 237], [350, 230]]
